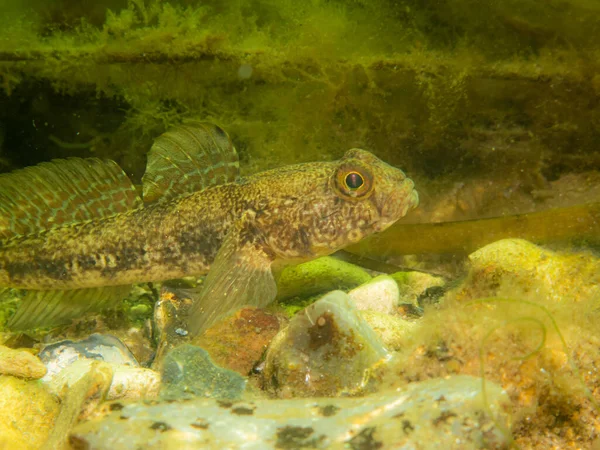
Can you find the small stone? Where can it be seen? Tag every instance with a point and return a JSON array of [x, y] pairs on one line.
[[326, 350], [132, 383], [21, 364], [379, 294]]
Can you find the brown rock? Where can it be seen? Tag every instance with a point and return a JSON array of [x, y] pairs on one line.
[[239, 341]]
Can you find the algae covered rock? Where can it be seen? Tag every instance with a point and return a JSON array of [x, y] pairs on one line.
[[188, 371], [512, 267], [27, 413], [20, 364], [326, 350], [448, 414], [393, 331], [319, 276]]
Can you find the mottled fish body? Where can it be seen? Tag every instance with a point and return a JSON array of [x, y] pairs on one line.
[[76, 235]]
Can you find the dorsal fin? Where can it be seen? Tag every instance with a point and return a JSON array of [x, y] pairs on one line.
[[187, 159], [62, 191]]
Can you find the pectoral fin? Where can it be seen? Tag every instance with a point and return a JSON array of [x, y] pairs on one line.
[[240, 275]]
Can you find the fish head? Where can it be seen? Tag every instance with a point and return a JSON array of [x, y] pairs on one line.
[[371, 194], [315, 209]]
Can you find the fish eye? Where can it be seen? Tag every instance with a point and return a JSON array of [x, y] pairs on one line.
[[354, 180]]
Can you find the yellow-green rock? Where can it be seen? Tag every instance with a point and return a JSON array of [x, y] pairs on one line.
[[20, 364], [518, 268], [27, 413], [319, 276]]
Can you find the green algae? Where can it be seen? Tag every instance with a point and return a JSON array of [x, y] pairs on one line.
[[453, 78]]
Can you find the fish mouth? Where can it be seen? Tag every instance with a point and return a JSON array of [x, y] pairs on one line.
[[396, 206], [414, 200], [411, 203]]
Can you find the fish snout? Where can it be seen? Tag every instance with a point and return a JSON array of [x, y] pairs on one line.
[[402, 200]]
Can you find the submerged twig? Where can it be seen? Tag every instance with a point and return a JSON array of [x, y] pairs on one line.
[[581, 222]]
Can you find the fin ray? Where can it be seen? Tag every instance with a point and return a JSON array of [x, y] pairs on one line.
[[57, 307], [62, 191], [240, 275], [189, 158]]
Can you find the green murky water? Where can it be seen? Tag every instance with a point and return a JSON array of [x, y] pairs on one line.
[[492, 108]]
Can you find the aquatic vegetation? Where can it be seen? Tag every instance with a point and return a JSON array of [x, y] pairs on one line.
[[538, 340]]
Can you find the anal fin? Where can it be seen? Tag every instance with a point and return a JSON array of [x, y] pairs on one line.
[[58, 307], [240, 275]]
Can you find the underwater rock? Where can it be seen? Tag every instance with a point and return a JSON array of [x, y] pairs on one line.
[[126, 382], [517, 268], [59, 355], [413, 284], [188, 371], [79, 401], [27, 414], [326, 350], [448, 414], [379, 294], [239, 341], [19, 363], [69, 361], [393, 331], [318, 276]]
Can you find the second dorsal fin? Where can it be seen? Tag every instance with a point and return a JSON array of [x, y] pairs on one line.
[[61, 192], [189, 158]]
